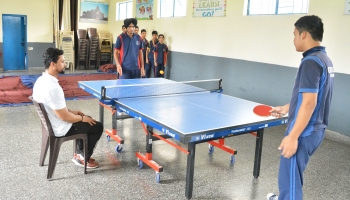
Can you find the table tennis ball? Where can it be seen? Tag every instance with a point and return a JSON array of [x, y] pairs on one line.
[[161, 72]]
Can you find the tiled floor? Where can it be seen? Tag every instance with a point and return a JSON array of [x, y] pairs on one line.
[[118, 177]]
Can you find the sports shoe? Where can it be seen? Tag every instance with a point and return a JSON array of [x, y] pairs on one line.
[[78, 160], [272, 196], [90, 160]]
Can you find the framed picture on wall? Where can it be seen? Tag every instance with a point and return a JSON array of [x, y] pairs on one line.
[[93, 12], [144, 9]]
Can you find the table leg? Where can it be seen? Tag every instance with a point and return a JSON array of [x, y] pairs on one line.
[[113, 133], [101, 113], [149, 139], [258, 151], [114, 119], [147, 158], [190, 169]]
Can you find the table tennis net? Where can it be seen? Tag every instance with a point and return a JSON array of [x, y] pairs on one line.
[[158, 89]]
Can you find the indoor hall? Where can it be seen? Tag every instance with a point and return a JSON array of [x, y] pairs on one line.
[[252, 53]]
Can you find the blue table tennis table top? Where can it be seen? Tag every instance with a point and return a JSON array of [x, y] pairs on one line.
[[188, 117]]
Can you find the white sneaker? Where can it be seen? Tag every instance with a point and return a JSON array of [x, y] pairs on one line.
[[78, 160], [271, 196]]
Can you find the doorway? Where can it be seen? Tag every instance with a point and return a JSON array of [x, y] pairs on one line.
[[14, 29]]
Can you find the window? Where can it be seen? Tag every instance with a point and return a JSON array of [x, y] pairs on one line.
[[172, 8], [124, 10], [276, 7]]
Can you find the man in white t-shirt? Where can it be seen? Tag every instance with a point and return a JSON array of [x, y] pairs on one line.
[[65, 122]]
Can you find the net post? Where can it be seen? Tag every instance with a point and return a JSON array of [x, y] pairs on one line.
[[220, 84], [103, 92]]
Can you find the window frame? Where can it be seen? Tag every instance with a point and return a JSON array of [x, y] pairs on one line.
[[118, 18], [276, 9], [173, 10]]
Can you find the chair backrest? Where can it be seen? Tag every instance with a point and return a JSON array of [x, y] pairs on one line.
[[67, 45], [81, 34], [45, 122], [92, 32]]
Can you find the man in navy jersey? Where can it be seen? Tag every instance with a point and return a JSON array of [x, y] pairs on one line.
[[136, 30], [144, 50], [150, 52], [128, 54], [123, 29], [160, 56], [308, 109]]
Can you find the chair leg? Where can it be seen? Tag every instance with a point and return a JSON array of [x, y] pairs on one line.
[[52, 149], [56, 150], [85, 152], [44, 148], [74, 146]]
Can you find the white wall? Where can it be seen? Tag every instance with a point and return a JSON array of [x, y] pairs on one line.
[[266, 38], [39, 17]]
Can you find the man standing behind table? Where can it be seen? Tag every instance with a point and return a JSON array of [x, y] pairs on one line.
[[128, 54]]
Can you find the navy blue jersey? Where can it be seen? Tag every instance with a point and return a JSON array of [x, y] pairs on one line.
[[129, 48], [161, 51], [145, 46], [151, 47], [315, 75]]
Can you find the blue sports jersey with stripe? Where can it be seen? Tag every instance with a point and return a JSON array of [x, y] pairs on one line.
[[315, 75], [129, 49], [151, 46], [161, 51]]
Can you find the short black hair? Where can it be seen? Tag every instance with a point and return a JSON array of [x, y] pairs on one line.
[[143, 30], [311, 24], [136, 26], [123, 26], [160, 35], [51, 55], [154, 32]]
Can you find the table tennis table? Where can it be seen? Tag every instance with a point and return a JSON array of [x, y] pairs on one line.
[[188, 117]]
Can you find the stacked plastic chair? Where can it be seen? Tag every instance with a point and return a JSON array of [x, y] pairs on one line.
[[94, 47], [105, 46], [83, 48], [67, 45]]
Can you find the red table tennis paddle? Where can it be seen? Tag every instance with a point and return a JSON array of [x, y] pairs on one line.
[[262, 110]]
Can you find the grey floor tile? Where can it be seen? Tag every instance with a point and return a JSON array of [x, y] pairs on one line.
[[118, 177]]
